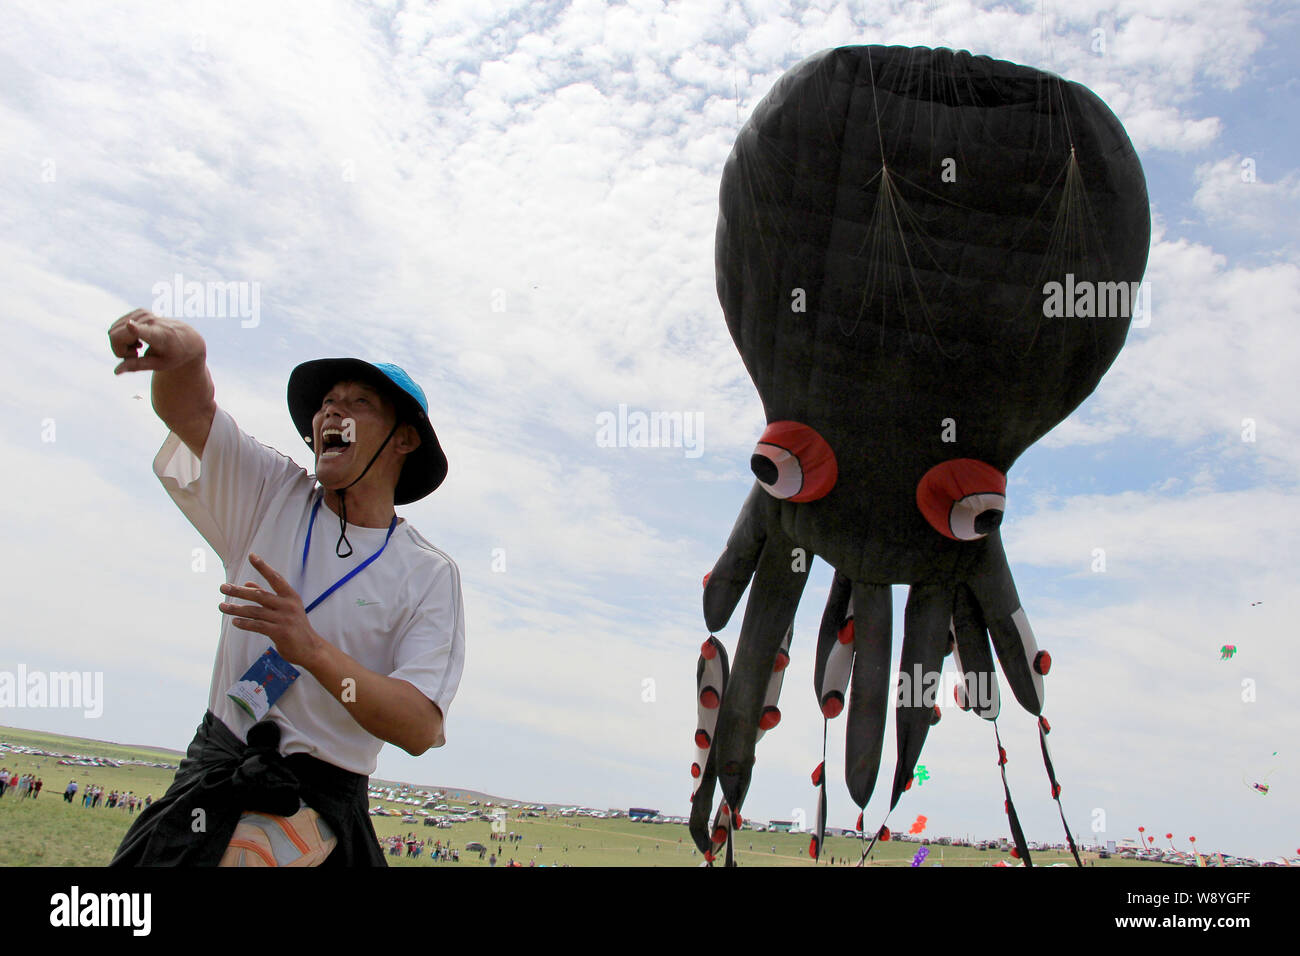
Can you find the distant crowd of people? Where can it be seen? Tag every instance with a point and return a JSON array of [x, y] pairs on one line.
[[394, 845], [27, 785], [94, 797]]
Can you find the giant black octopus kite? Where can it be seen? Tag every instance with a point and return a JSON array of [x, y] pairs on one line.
[[926, 260]]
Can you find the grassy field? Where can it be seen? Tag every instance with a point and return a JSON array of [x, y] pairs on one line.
[[46, 831]]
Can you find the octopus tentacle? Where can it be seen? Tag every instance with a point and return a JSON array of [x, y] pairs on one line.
[[869, 691], [836, 618], [974, 657], [1018, 653], [925, 643], [769, 615], [731, 574]]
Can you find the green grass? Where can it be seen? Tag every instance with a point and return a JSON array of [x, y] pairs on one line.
[[46, 831]]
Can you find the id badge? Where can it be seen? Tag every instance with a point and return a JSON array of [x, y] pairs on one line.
[[263, 684]]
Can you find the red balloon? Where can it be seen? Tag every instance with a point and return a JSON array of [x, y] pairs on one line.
[[1193, 839], [1169, 836], [1142, 829]]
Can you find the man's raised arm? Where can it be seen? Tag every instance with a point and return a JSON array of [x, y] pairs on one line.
[[183, 394]]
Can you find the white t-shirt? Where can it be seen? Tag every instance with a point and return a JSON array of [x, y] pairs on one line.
[[402, 616]]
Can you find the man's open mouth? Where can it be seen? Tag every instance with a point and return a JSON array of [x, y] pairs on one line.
[[333, 443]]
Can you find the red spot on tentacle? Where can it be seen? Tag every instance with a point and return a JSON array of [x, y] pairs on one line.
[[884, 834], [1042, 662], [695, 770], [708, 650], [817, 774], [1042, 722], [702, 739], [832, 705], [709, 698], [770, 718], [782, 662], [845, 635]]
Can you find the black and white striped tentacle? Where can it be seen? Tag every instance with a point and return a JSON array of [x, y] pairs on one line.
[[995, 592], [756, 549], [818, 839], [831, 671], [711, 673], [771, 715]]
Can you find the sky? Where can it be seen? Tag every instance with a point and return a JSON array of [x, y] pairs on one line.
[[517, 203]]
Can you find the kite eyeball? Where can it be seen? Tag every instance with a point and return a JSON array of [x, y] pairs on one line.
[[963, 499], [1042, 662], [770, 718], [794, 463], [832, 705], [782, 662], [709, 698]]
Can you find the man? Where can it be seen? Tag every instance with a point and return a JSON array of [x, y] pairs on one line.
[[353, 638]]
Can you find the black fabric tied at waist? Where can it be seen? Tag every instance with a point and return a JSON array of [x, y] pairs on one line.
[[261, 781], [221, 777]]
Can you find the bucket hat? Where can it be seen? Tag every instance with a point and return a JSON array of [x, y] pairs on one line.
[[426, 467]]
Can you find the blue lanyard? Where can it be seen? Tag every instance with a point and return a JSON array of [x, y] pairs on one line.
[[351, 574]]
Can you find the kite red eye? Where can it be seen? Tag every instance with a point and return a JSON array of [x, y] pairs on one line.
[[794, 463], [963, 499]]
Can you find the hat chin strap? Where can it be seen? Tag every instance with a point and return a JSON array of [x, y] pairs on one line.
[[343, 503]]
